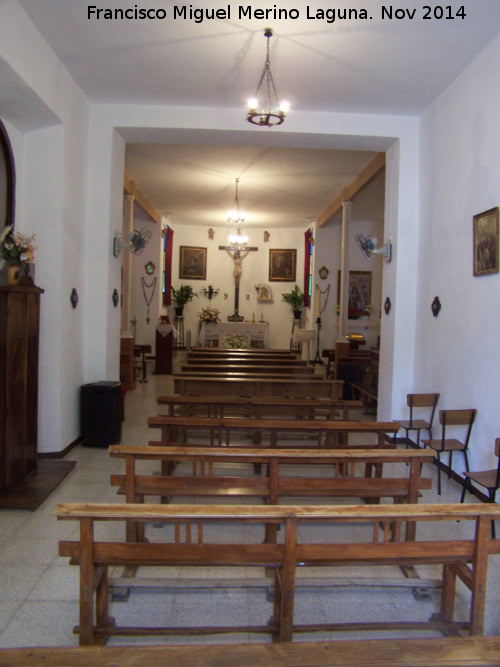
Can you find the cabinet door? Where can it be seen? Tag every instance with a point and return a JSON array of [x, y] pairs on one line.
[[15, 389], [31, 417]]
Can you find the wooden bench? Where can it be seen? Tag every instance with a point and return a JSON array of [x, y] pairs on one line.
[[240, 352], [278, 432], [243, 370], [244, 361], [368, 392], [376, 543], [437, 652], [258, 408], [256, 387], [368, 387], [344, 480]]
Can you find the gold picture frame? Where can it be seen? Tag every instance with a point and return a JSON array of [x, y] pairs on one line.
[[485, 241], [283, 265], [359, 294], [192, 263]]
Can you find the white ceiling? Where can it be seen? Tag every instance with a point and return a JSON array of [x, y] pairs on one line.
[[369, 66]]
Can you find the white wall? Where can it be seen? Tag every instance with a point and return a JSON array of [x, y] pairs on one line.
[[50, 116], [145, 333], [457, 353], [367, 217], [220, 267], [77, 212]]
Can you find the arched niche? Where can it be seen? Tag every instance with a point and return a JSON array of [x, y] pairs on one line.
[[7, 180]]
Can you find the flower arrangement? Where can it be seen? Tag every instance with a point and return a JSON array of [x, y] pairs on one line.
[[209, 315], [17, 247], [234, 341]]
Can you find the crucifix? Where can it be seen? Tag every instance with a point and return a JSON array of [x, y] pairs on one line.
[[238, 255]]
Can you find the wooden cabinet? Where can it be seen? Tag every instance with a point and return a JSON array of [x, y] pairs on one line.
[[19, 339]]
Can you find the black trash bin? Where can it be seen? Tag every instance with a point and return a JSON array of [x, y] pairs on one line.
[[101, 413]]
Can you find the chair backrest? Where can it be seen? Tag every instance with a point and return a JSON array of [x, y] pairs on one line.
[[497, 453], [422, 401], [458, 418]]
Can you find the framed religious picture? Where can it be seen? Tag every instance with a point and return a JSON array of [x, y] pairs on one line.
[[486, 242], [283, 265], [193, 263], [359, 294]]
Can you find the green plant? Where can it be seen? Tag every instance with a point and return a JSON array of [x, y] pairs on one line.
[[182, 295], [295, 298]]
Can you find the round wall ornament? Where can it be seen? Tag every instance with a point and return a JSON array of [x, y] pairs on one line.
[[150, 268], [323, 273]]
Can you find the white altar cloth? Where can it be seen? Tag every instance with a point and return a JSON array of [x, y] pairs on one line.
[[256, 331]]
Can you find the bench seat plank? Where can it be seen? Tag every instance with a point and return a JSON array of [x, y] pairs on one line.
[[439, 652]]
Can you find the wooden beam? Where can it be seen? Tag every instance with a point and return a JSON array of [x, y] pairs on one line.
[[372, 169], [130, 188]]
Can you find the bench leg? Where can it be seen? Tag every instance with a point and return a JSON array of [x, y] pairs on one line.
[[480, 571], [87, 578], [103, 619], [289, 568]]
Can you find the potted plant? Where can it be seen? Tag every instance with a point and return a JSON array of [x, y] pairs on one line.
[[181, 296], [296, 299]]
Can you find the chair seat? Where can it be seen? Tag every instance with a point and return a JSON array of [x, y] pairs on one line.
[[487, 478], [414, 425], [449, 445]]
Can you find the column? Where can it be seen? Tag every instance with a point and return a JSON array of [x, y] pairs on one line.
[[342, 344], [128, 227]]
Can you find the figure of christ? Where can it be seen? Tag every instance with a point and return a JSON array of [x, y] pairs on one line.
[[237, 256]]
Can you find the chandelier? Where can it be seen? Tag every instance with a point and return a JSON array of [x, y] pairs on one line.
[[237, 241], [271, 116]]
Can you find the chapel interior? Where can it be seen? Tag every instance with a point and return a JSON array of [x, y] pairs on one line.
[[248, 399]]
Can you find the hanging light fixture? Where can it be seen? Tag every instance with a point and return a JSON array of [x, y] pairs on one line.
[[272, 115], [237, 241]]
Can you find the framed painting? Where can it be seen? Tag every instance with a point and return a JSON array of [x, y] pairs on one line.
[[359, 294], [283, 265], [193, 263], [486, 242]]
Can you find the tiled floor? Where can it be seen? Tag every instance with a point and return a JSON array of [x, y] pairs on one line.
[[39, 590]]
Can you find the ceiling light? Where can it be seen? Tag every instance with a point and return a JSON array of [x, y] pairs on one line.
[[273, 115], [237, 241], [235, 215]]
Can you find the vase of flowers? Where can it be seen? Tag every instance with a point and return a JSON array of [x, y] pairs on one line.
[[18, 251], [209, 315], [234, 341]]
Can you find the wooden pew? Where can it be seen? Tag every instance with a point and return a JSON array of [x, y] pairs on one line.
[[243, 370], [258, 408], [436, 652], [262, 359], [240, 352], [290, 387], [244, 361], [323, 433], [367, 389], [344, 480], [463, 557]]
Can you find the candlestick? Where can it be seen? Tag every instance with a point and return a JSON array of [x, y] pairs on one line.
[[318, 303]]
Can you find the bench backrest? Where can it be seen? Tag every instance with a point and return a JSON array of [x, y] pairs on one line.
[[294, 387]]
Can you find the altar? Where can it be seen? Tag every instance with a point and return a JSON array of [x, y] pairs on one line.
[[256, 333]]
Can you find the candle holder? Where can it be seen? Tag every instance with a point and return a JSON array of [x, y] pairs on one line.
[[317, 357]]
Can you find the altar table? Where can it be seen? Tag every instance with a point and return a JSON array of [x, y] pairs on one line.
[[257, 332]]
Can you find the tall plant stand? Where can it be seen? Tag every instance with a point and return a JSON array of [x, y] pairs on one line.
[[317, 357], [295, 345], [179, 327]]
